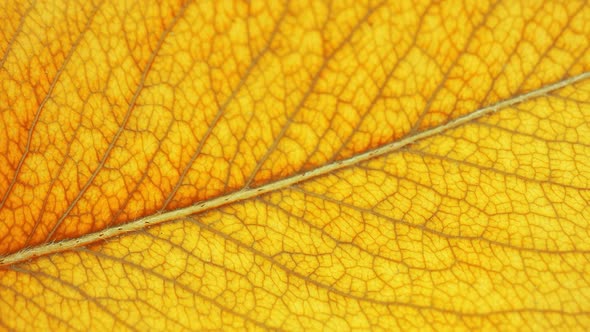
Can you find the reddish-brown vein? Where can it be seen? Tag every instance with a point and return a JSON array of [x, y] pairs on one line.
[[307, 93], [430, 230], [172, 281], [222, 109], [17, 32], [441, 84], [351, 243], [512, 54], [388, 77], [54, 180], [38, 274], [44, 101], [34, 303], [515, 132], [123, 124], [549, 47], [332, 289]]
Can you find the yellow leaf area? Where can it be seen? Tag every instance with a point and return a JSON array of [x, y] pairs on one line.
[[221, 165]]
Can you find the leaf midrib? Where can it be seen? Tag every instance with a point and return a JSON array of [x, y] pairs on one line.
[[246, 193]]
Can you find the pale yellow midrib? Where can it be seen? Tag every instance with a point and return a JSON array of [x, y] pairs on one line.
[[155, 219]]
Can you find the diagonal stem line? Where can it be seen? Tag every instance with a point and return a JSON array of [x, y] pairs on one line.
[[247, 193]]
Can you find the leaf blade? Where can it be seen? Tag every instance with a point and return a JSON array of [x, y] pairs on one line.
[[386, 227]]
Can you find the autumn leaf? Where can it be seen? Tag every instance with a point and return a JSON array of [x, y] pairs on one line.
[[298, 165]]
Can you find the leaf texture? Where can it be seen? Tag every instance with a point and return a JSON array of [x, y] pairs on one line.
[[295, 165]]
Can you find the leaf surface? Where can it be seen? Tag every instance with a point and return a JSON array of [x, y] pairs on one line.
[[295, 165]]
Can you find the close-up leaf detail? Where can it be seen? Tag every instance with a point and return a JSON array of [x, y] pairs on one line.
[[294, 165]]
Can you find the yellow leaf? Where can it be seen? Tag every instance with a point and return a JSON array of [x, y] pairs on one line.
[[302, 165]]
